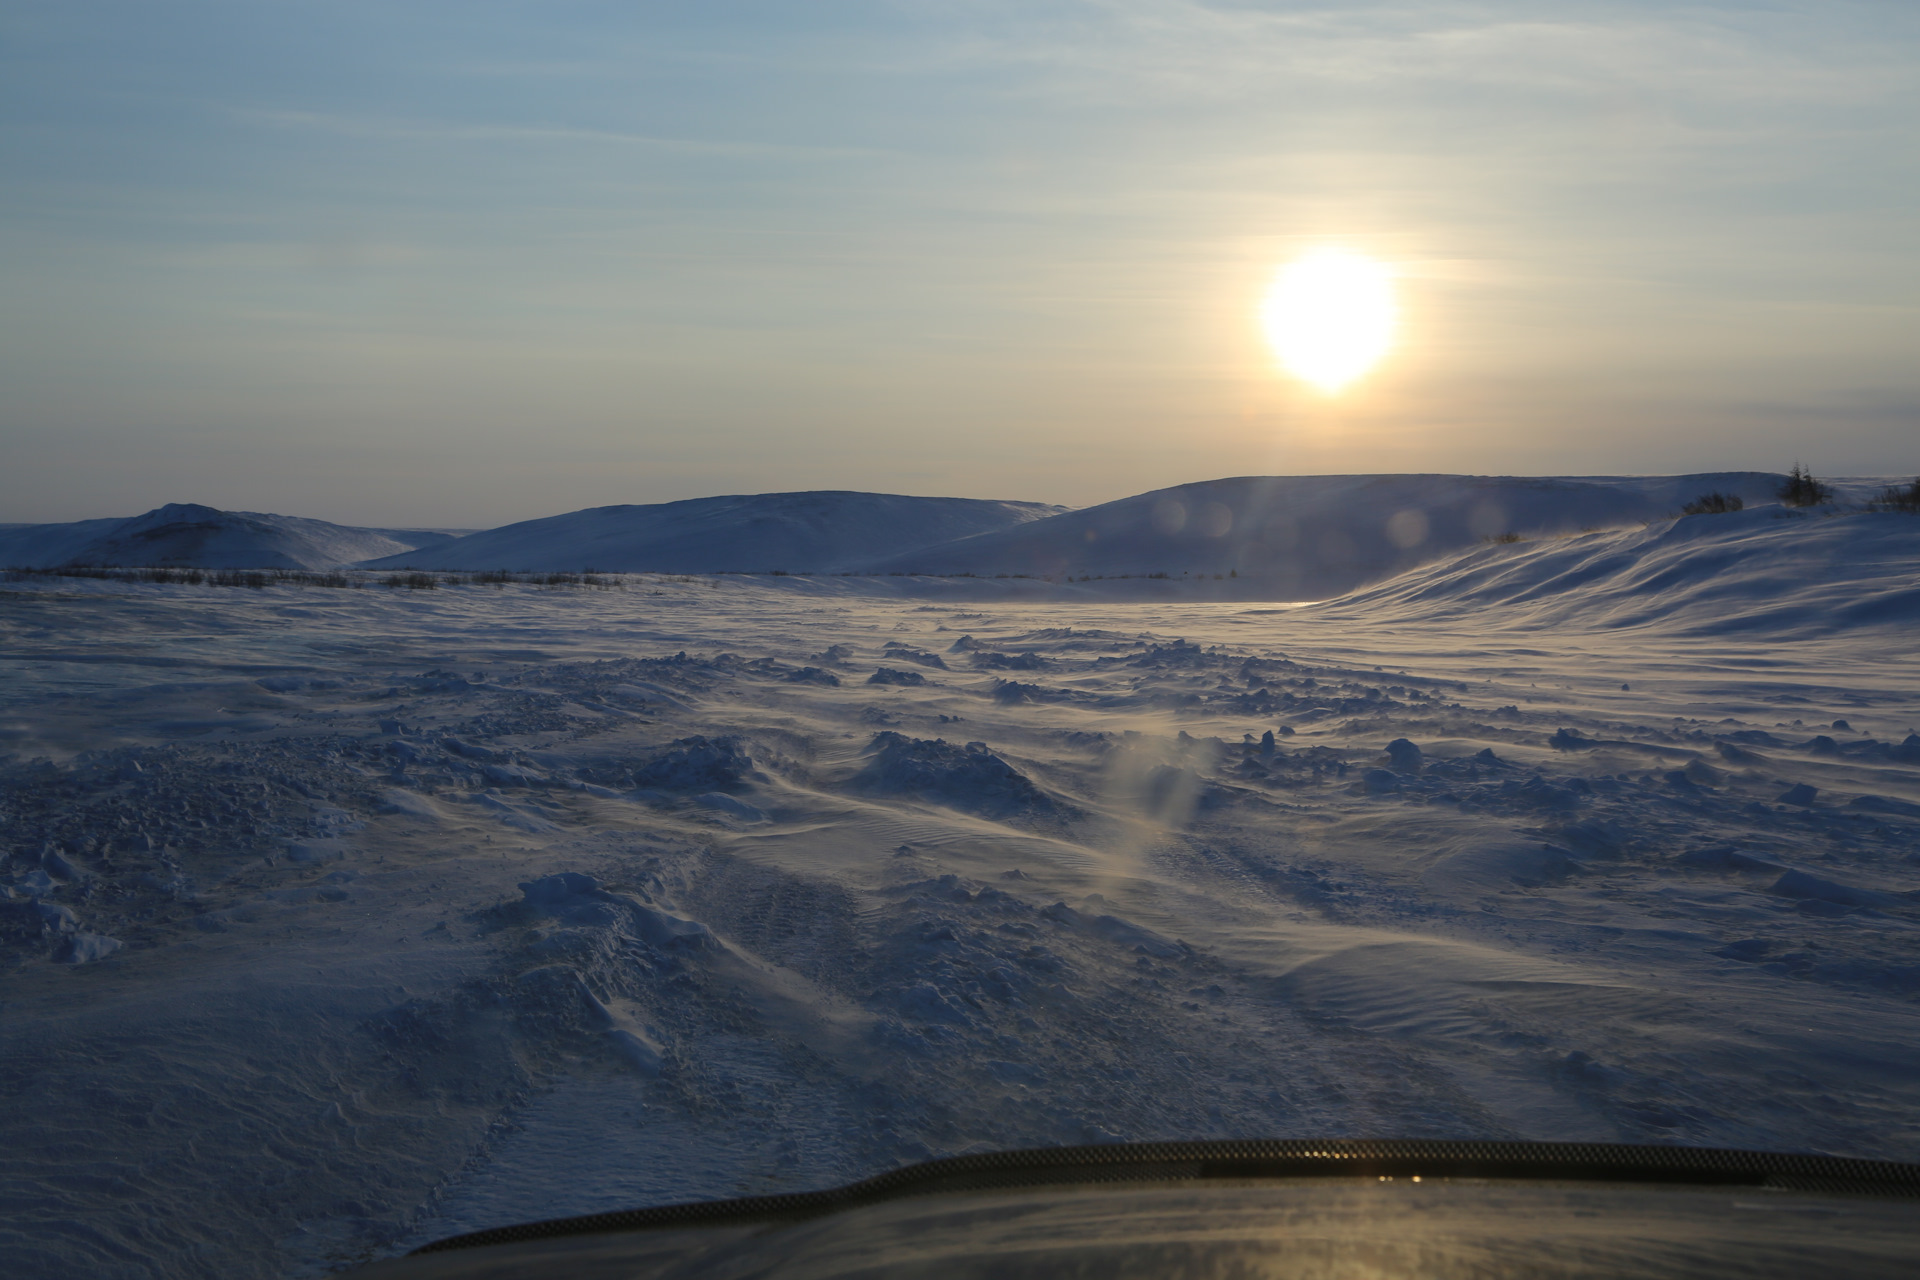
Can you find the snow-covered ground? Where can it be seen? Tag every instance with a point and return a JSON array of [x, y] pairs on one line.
[[441, 909]]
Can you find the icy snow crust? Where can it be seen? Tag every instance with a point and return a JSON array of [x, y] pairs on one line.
[[338, 921]]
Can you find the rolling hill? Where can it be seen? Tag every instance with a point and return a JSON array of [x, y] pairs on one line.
[[1311, 537], [190, 535], [812, 532]]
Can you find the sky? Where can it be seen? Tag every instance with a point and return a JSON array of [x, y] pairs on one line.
[[460, 264]]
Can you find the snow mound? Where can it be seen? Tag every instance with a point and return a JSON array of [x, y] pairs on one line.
[[189, 535], [1310, 537], [697, 764], [971, 778], [812, 532], [575, 898], [1769, 569]]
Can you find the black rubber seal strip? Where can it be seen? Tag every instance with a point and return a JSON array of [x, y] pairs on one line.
[[1258, 1158]]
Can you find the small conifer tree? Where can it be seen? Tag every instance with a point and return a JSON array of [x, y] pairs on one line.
[[1802, 490]]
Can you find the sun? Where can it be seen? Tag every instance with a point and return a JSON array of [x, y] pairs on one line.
[[1330, 317]]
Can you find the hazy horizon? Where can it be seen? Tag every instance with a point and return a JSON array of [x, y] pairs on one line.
[[445, 527], [464, 266]]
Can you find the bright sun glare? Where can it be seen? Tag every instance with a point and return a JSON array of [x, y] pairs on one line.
[[1330, 317]]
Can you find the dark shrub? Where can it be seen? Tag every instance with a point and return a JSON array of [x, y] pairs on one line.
[[1900, 497], [1713, 504]]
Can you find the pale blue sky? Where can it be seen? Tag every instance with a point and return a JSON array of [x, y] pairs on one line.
[[470, 263]]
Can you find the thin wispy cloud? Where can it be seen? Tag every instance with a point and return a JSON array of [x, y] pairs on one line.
[[409, 130], [660, 233]]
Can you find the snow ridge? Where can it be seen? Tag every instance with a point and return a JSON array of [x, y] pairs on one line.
[[1772, 568]]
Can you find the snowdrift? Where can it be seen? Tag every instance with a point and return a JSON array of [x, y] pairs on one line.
[[911, 877], [187, 534], [1768, 569], [1310, 537], [812, 532]]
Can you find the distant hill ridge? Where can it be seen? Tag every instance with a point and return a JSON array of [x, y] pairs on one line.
[[1265, 537], [816, 531], [190, 535], [1311, 537]]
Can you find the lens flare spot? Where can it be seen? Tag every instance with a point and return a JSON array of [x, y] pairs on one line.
[[1408, 529]]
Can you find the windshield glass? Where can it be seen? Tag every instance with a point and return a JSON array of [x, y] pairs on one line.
[[609, 605]]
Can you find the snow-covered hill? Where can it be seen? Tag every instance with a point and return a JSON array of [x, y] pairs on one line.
[[810, 532], [188, 534], [41, 546], [1310, 537], [1769, 569]]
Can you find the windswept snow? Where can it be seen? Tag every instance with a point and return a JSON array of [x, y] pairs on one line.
[[339, 920], [1777, 570], [184, 533], [1310, 537], [813, 532]]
